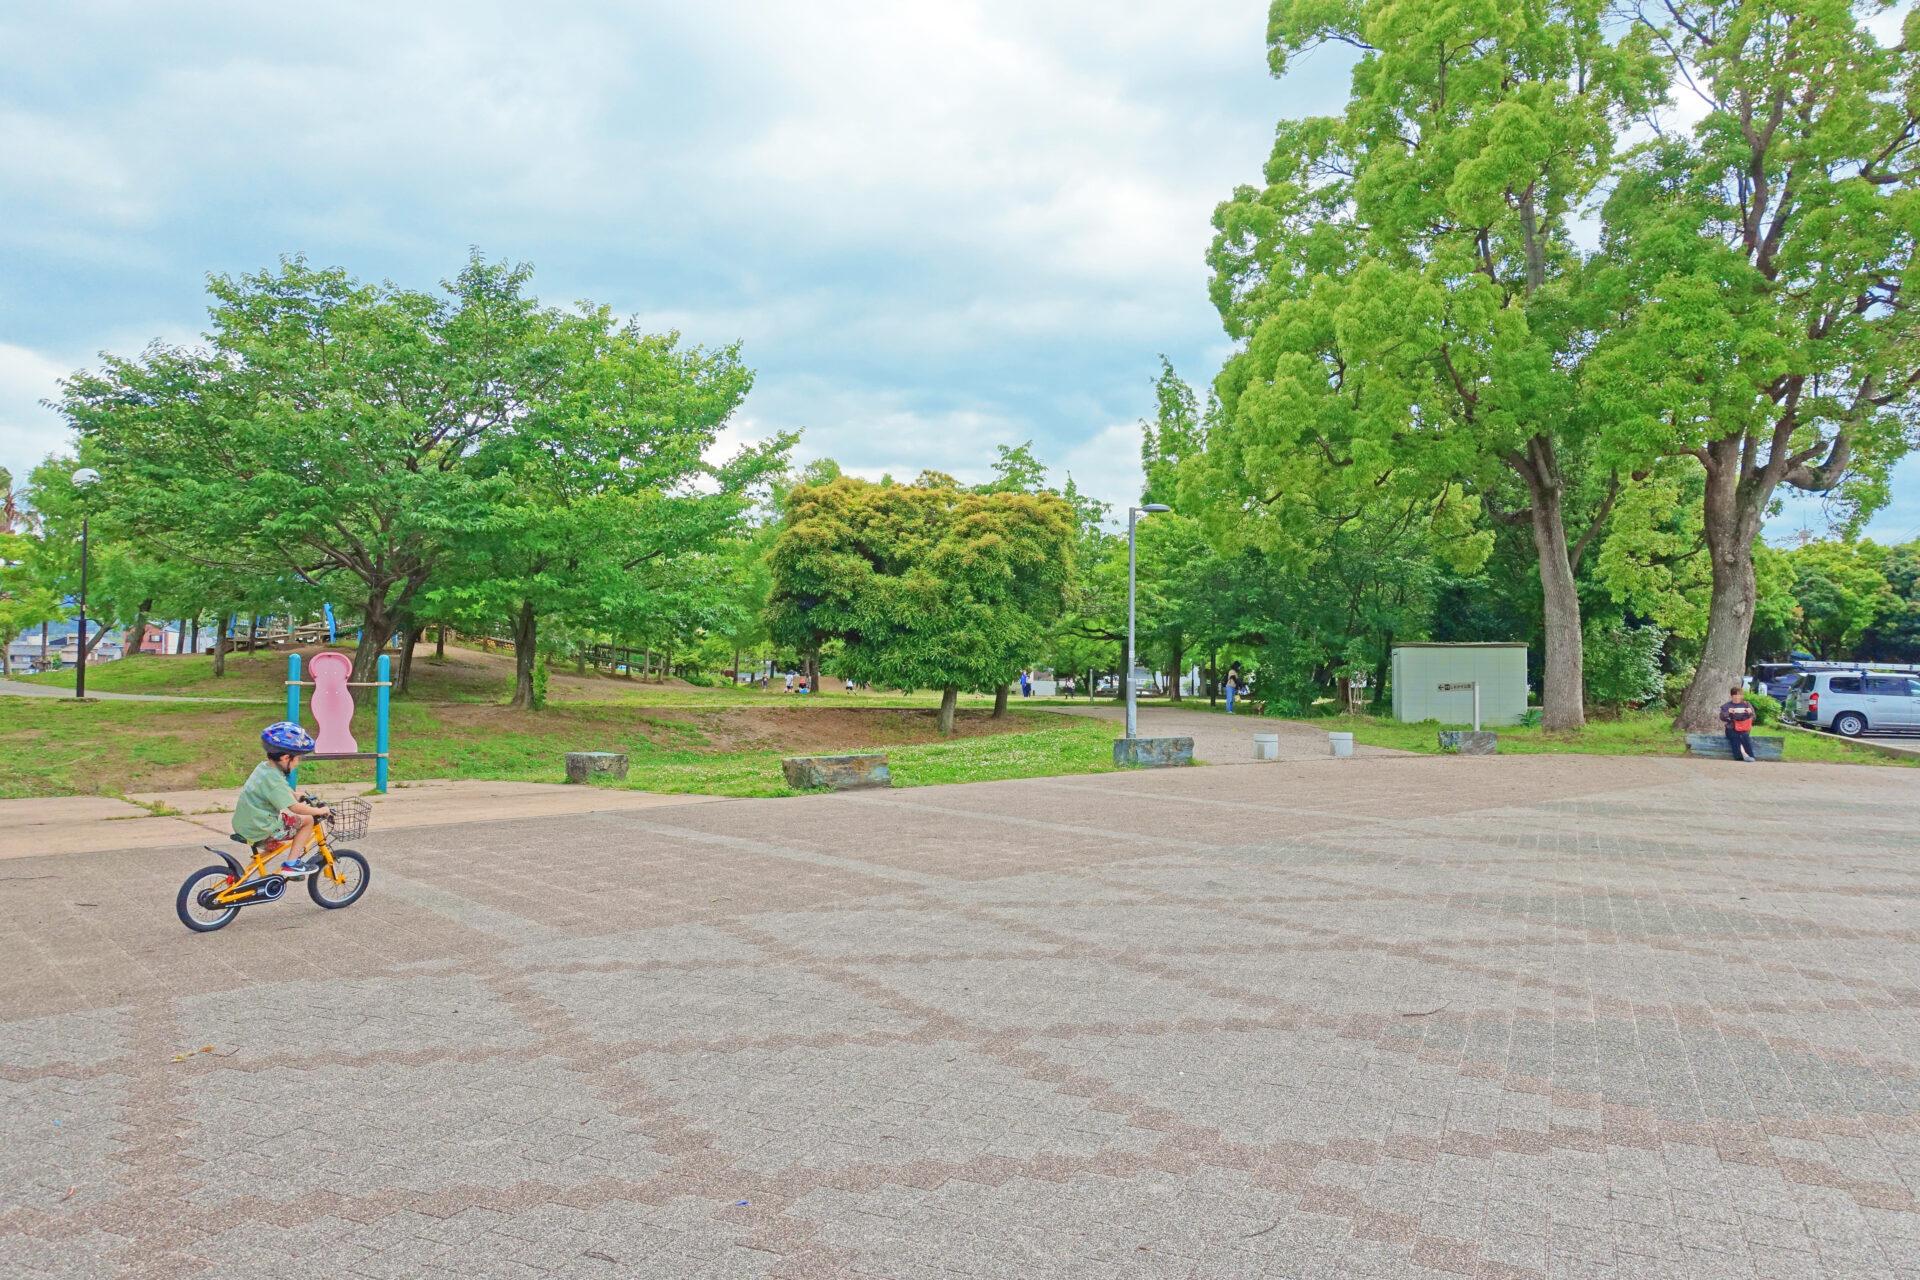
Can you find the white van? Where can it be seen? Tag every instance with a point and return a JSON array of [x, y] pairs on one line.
[[1851, 703]]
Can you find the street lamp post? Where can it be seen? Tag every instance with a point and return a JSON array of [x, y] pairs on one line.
[[1133, 519], [81, 479]]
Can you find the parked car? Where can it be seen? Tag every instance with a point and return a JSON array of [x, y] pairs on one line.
[[1851, 703]]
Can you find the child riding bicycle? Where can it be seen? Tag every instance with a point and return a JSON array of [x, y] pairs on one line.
[[268, 812]]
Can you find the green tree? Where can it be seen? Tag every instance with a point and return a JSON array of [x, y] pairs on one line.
[[1176, 433], [1839, 592], [327, 431], [24, 600], [923, 586], [604, 472], [1406, 283], [1758, 265], [1895, 634]]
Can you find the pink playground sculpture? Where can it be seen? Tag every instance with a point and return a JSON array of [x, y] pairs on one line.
[[333, 704]]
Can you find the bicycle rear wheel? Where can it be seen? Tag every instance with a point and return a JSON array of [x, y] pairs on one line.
[[193, 913], [341, 884]]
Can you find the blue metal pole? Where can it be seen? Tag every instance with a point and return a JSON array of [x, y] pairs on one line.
[[380, 733], [293, 708]]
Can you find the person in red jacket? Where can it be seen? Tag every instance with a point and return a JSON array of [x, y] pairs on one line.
[[1736, 713]]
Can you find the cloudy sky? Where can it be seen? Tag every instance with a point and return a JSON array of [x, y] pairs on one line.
[[936, 227]]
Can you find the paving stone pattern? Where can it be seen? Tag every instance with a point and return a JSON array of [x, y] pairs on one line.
[[1395, 1017]]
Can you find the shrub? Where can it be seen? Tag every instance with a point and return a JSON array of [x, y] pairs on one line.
[[1623, 664], [703, 679], [1766, 708], [540, 682]]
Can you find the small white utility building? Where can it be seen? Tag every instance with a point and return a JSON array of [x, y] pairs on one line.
[[1437, 681]]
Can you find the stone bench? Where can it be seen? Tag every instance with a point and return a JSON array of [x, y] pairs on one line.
[[584, 766], [1714, 746], [1152, 753], [1470, 742], [836, 773]]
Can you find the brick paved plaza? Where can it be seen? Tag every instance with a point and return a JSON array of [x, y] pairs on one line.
[[1523, 1016]]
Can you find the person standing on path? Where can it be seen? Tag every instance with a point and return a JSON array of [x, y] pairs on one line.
[[1736, 713], [1234, 685]]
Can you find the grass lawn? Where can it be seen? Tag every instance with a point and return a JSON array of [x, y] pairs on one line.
[[1633, 734], [464, 675], [50, 747]]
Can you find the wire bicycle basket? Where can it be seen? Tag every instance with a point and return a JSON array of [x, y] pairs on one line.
[[349, 819]]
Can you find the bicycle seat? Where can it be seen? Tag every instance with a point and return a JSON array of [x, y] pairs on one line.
[[237, 838]]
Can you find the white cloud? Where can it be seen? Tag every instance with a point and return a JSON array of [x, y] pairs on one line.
[[29, 431]]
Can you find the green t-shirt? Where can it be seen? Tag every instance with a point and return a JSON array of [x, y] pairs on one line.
[[256, 815]]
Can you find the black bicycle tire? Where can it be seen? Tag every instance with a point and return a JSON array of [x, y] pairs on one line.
[[366, 878], [187, 894]]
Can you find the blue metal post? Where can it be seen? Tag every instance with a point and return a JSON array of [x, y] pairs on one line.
[[380, 734], [293, 707]]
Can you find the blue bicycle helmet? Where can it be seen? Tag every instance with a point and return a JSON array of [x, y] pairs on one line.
[[286, 738]]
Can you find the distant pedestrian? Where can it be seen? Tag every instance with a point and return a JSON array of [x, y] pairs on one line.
[[1737, 715], [1235, 685], [789, 682], [1026, 685]]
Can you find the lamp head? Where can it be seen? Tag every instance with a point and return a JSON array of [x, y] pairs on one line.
[[1155, 508], [85, 476]]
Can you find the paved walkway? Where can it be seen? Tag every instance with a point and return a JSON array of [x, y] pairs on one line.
[[1414, 1018], [1223, 739], [18, 689], [165, 819]]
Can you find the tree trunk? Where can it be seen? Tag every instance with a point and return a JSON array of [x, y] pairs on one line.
[[196, 634], [376, 629], [525, 635], [1380, 669], [440, 641], [219, 646], [1000, 702], [1179, 657], [1732, 523], [139, 632], [409, 640], [1563, 686], [253, 633], [1126, 672], [949, 698], [736, 667]]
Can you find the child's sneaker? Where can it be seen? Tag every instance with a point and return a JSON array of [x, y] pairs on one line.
[[295, 867]]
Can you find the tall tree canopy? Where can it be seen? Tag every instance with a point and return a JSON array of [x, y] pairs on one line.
[[338, 432], [1759, 265], [1404, 283]]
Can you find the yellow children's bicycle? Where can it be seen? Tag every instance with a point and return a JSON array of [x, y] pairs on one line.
[[213, 896]]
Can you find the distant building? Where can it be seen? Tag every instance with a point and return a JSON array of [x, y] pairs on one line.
[[159, 638], [62, 648]]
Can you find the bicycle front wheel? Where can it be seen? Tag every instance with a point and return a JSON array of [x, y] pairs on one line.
[[203, 917], [341, 884]]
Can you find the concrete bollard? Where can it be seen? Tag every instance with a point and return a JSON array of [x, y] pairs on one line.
[[1470, 742], [584, 765], [1341, 744], [836, 773], [1266, 746], [1152, 753]]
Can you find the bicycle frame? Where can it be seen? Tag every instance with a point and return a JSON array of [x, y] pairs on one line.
[[240, 891]]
